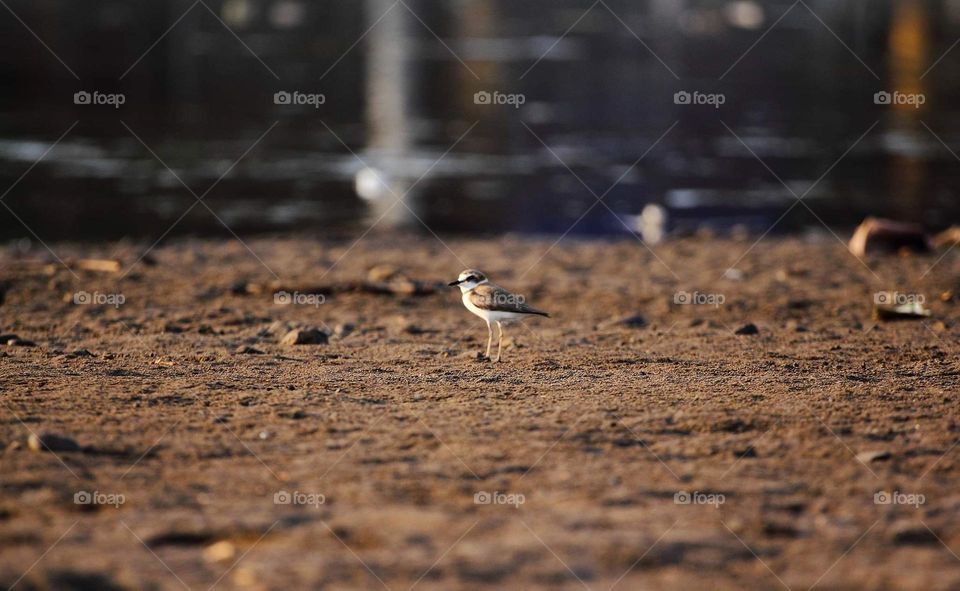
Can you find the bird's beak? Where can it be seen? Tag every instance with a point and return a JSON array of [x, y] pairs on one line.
[[455, 283]]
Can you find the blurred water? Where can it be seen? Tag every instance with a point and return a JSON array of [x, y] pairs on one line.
[[598, 96]]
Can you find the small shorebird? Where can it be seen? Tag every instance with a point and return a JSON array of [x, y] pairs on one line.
[[492, 303]]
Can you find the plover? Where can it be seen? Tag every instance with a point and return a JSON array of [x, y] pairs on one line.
[[492, 303]]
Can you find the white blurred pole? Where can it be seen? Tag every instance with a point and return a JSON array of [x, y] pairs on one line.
[[389, 86], [388, 80]]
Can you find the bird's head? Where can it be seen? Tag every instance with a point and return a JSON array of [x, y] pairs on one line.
[[468, 280]]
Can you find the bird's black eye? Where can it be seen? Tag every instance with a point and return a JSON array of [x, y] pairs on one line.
[[472, 278]]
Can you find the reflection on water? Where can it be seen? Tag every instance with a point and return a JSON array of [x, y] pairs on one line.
[[595, 100]]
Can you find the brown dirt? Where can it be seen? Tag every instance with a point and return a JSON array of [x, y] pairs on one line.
[[598, 425]]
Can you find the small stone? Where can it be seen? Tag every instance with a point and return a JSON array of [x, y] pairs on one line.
[[312, 336], [172, 328], [913, 535], [746, 452], [279, 327], [238, 288], [629, 321], [880, 235], [794, 326], [80, 353], [403, 325], [634, 321], [914, 310], [51, 442], [873, 456], [733, 274], [20, 343], [382, 273], [247, 350], [221, 419], [747, 329], [343, 329], [219, 551]]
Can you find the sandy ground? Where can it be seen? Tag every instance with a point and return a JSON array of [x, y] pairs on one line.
[[384, 439]]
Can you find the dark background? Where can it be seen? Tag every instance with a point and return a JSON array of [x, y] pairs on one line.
[[600, 97]]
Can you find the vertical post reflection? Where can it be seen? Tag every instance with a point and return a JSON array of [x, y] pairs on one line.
[[909, 56]]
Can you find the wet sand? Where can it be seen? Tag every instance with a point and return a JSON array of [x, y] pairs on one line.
[[388, 439]]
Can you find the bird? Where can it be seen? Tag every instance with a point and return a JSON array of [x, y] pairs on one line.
[[493, 303]]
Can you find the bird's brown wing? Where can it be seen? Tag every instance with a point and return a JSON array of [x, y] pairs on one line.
[[496, 299]]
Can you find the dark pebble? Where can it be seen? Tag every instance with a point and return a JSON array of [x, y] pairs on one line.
[[51, 442], [247, 350], [313, 336]]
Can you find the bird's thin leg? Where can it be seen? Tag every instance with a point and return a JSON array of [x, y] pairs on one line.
[[500, 342], [489, 339]]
